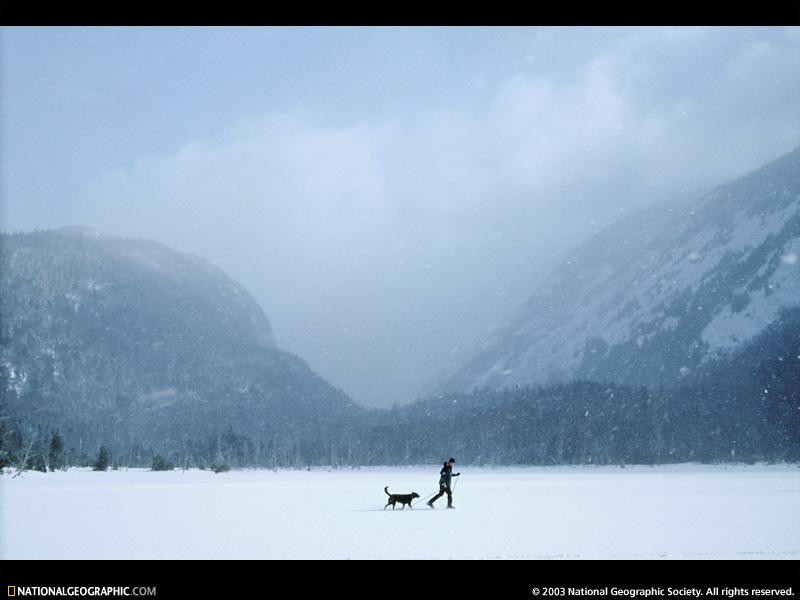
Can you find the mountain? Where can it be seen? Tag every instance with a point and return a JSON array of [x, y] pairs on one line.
[[130, 344], [146, 351], [661, 296]]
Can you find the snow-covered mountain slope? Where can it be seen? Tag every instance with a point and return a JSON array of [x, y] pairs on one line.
[[129, 341], [660, 294], [78, 267]]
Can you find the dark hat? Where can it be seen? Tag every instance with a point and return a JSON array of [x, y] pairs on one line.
[[452, 459]]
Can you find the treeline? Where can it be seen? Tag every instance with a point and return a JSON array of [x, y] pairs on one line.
[[595, 423], [44, 451], [577, 423]]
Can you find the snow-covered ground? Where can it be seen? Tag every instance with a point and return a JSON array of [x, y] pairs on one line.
[[680, 511]]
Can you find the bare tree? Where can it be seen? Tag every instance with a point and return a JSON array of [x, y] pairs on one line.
[[21, 466]]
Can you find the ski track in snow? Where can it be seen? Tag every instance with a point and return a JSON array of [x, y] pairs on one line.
[[668, 512]]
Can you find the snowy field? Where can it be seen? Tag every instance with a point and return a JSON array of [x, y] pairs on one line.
[[677, 512]]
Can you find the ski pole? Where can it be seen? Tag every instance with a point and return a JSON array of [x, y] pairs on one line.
[[421, 499]]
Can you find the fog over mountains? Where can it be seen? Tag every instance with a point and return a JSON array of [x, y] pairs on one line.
[[387, 195], [672, 335], [659, 294]]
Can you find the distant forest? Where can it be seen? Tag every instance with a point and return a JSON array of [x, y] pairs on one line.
[[576, 423]]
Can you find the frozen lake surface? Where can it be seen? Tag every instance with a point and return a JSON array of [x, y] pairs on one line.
[[676, 512]]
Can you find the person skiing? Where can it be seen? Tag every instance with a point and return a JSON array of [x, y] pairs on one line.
[[445, 476]]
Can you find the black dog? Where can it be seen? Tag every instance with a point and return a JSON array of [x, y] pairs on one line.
[[401, 498]]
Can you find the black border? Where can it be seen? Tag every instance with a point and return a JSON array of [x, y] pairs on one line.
[[401, 580], [400, 12]]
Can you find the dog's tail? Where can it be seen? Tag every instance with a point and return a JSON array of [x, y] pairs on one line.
[[386, 489]]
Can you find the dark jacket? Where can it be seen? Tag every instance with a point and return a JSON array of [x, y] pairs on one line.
[[445, 475]]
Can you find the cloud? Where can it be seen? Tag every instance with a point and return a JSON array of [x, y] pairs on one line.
[[378, 245]]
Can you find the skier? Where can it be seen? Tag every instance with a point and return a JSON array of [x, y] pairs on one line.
[[444, 484]]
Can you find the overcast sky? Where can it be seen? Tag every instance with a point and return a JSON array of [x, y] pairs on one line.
[[386, 194]]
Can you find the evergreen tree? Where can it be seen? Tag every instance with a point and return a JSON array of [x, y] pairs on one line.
[[37, 461], [101, 463], [161, 464], [55, 457], [6, 457], [219, 464]]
